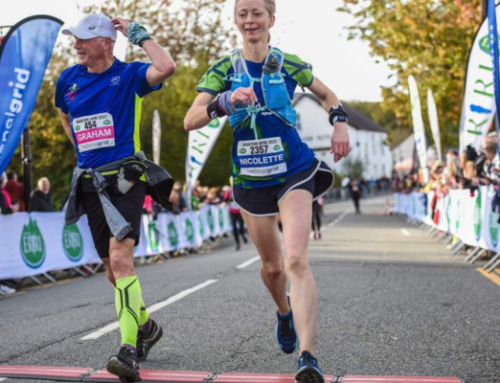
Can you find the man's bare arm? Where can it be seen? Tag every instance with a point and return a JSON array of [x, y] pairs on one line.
[[66, 125]]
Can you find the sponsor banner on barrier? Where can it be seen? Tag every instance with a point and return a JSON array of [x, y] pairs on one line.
[[35, 243], [467, 215]]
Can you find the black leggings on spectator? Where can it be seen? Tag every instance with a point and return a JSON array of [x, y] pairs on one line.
[[237, 219]]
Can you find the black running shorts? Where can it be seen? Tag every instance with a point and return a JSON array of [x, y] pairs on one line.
[[129, 205], [317, 180]]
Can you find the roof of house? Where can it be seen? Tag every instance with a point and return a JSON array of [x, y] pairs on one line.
[[356, 119]]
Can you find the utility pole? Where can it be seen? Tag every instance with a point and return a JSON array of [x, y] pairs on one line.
[[485, 9]]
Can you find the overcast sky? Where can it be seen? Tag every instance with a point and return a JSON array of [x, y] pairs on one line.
[[311, 29]]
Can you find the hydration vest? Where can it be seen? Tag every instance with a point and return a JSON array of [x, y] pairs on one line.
[[276, 98]]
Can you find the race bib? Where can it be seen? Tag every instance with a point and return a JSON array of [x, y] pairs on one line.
[[261, 158], [94, 132]]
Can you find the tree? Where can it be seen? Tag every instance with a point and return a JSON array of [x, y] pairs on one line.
[[384, 117], [354, 169], [429, 39]]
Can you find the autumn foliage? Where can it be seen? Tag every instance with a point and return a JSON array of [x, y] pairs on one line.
[[429, 39]]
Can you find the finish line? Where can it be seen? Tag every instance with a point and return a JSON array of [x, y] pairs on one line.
[[84, 374]]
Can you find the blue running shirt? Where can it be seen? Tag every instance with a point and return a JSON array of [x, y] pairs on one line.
[[271, 132], [104, 110]]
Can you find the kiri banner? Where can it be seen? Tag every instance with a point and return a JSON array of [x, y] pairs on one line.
[[493, 32], [201, 143], [479, 96], [418, 127], [24, 55], [433, 120]]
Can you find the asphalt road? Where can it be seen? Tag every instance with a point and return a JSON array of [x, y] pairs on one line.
[[392, 302]]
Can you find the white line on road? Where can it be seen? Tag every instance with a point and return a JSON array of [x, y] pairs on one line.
[[337, 220], [113, 326], [248, 263], [2, 379], [405, 232]]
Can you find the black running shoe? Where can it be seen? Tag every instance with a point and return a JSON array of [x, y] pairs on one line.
[[308, 370], [124, 365], [147, 339]]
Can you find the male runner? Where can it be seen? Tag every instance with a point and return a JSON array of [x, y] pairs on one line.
[[100, 102]]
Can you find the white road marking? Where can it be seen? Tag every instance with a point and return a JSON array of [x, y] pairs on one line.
[[248, 263], [113, 326], [337, 220], [405, 232]]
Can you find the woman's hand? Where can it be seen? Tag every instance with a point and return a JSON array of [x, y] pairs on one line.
[[340, 142], [243, 96]]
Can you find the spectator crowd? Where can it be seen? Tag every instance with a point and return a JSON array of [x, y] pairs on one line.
[[467, 170]]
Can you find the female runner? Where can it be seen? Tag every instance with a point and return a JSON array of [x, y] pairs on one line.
[[274, 171]]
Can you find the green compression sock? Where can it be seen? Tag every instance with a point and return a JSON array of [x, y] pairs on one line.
[[128, 299], [144, 317]]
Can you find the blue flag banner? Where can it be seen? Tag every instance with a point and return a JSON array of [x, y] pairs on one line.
[[24, 55], [493, 39]]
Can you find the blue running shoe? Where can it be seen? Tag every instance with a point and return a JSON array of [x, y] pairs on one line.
[[286, 336], [308, 370]]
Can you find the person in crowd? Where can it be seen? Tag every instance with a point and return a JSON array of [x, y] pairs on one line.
[[274, 171], [469, 158], [435, 179], [317, 211], [100, 103], [436, 185], [5, 202], [453, 171], [356, 192], [213, 196], [491, 167], [195, 196], [237, 222], [177, 199], [16, 190], [41, 199], [147, 206]]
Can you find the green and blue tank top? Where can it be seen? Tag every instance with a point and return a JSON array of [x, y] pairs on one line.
[[267, 149]]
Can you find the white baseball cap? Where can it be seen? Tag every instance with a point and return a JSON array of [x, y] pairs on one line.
[[96, 25]]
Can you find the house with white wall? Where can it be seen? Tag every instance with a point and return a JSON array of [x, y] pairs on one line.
[[366, 136]]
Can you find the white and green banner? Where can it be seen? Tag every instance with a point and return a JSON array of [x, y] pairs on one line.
[[35, 243], [201, 143], [418, 127], [156, 136], [434, 122], [478, 105]]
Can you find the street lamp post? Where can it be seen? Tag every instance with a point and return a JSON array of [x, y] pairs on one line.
[[485, 9]]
